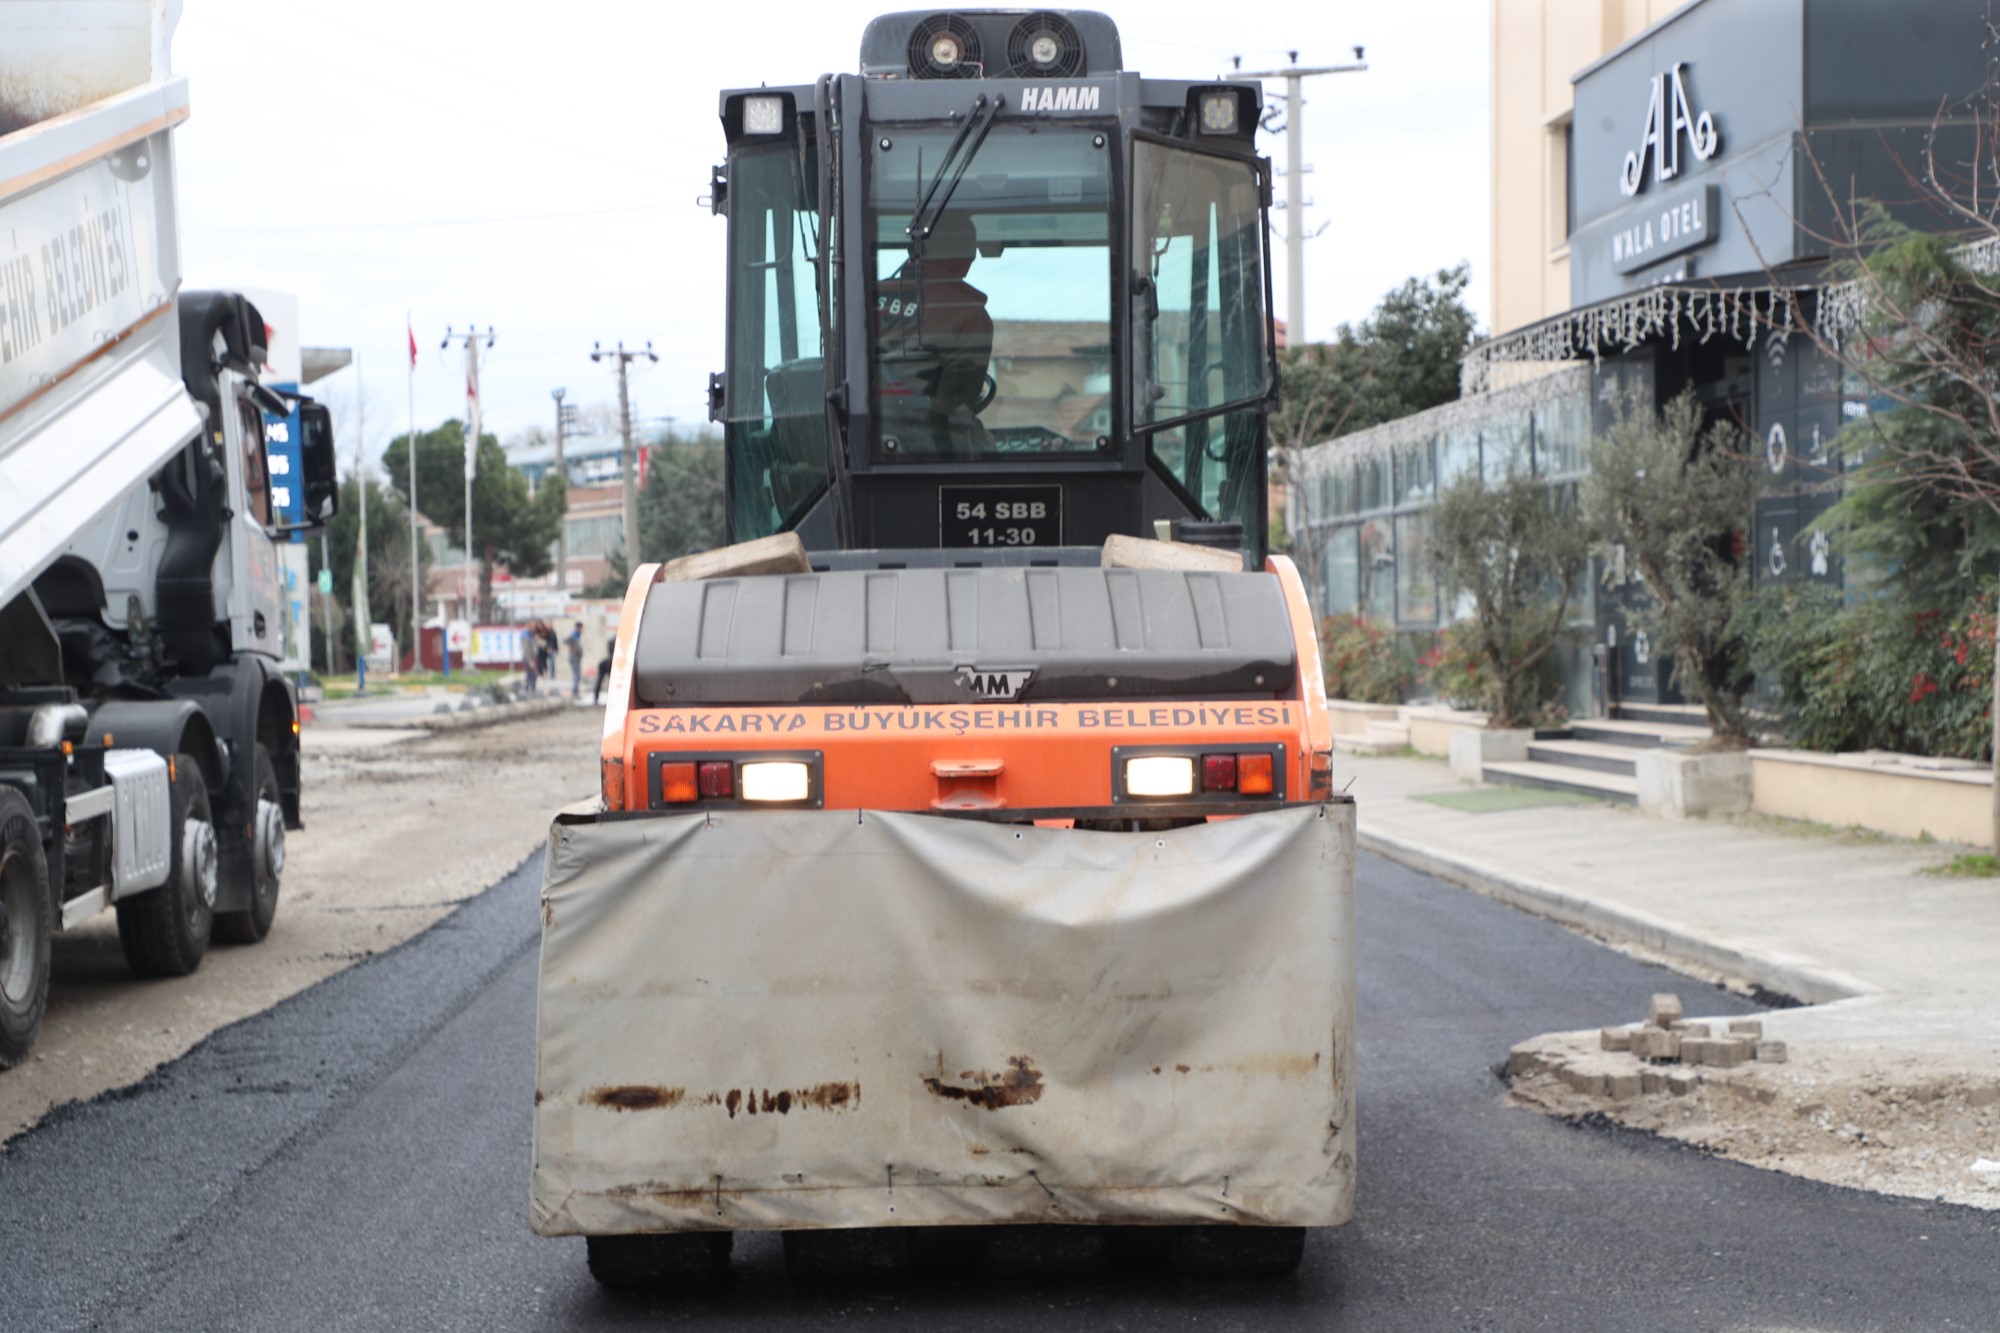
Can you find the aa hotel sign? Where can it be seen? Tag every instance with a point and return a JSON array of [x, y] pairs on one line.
[[1678, 220]]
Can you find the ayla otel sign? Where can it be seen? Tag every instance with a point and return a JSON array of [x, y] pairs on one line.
[[1669, 119]]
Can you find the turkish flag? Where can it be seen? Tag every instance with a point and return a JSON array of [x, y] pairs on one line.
[[412, 331]]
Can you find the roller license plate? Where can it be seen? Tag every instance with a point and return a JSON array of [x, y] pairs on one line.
[[986, 516]]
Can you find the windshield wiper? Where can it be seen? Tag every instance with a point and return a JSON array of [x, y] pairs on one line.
[[957, 158]]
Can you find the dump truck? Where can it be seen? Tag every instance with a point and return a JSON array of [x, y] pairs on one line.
[[148, 738], [967, 860]]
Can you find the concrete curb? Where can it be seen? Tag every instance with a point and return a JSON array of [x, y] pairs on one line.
[[491, 715], [1786, 976]]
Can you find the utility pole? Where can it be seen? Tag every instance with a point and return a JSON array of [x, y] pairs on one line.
[[326, 602], [621, 358], [1295, 170], [562, 525], [470, 338]]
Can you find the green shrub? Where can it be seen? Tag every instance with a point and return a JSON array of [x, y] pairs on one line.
[[1455, 670], [1460, 672], [1671, 493], [1365, 663], [1511, 549], [1877, 675]]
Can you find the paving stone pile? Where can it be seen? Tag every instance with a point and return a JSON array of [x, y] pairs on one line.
[[1640, 1059]]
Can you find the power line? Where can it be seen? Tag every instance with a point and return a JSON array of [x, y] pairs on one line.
[[426, 57], [1295, 201], [569, 146], [432, 222], [323, 63]]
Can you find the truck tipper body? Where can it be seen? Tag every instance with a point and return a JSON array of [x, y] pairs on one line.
[[967, 853], [148, 740]]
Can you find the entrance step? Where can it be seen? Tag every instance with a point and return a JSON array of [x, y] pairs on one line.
[[1618, 731], [1596, 756], [1379, 736], [1678, 715], [1614, 787], [1371, 742]]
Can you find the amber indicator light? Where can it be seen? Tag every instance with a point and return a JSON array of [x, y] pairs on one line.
[[678, 784]]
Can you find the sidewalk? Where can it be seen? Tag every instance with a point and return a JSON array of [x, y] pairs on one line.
[[388, 715], [1885, 956]]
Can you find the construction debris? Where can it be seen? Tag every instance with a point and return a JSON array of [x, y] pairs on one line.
[[1663, 1039], [1730, 1090]]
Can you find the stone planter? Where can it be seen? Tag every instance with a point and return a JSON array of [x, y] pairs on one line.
[[1684, 784], [1352, 719], [1433, 725], [1472, 749], [1902, 795]]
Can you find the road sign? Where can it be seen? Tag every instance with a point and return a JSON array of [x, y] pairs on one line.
[[325, 582]]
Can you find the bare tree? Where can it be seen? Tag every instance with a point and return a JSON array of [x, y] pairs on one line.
[[1912, 317]]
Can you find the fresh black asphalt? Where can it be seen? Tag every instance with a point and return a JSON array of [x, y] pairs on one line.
[[357, 1158]]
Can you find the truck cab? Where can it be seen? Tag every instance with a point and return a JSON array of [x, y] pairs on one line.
[[149, 754], [995, 296]]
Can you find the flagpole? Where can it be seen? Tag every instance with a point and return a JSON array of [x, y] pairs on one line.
[[416, 558], [360, 594], [471, 465]]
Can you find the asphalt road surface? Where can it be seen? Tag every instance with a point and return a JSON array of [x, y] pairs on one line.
[[357, 1158]]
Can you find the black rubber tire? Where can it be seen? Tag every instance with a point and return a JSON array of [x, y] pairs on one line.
[[1037, 1250], [165, 931], [637, 1263], [1238, 1251], [239, 865], [29, 925], [848, 1253]]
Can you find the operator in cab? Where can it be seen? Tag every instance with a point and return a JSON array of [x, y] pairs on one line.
[[936, 341]]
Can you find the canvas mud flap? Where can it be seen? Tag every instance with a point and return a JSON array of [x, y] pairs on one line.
[[784, 1020]]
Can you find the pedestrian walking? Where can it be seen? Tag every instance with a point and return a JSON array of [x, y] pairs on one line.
[[531, 656], [574, 646], [603, 669]]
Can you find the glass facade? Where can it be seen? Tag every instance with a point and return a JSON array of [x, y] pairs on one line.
[[1365, 499]]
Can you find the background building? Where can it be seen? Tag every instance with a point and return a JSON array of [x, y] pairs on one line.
[[1665, 187]]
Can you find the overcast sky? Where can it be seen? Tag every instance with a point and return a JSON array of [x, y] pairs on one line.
[[536, 168]]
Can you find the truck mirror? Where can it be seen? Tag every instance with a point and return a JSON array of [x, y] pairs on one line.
[[322, 484]]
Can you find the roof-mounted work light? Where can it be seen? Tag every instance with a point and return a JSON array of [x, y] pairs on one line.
[[763, 115], [1218, 112]]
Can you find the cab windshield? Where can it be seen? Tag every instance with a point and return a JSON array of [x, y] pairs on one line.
[[993, 336]]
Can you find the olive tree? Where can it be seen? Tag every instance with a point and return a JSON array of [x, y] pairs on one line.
[[1674, 496], [1514, 551]]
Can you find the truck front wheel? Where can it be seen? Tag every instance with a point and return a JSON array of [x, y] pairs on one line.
[[1238, 1251], [25, 927], [165, 930], [259, 860], [637, 1262]]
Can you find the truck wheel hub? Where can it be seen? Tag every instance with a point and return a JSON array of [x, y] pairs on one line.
[[270, 841], [16, 957], [198, 860]]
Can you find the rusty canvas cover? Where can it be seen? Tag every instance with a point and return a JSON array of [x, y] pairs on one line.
[[782, 1020]]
